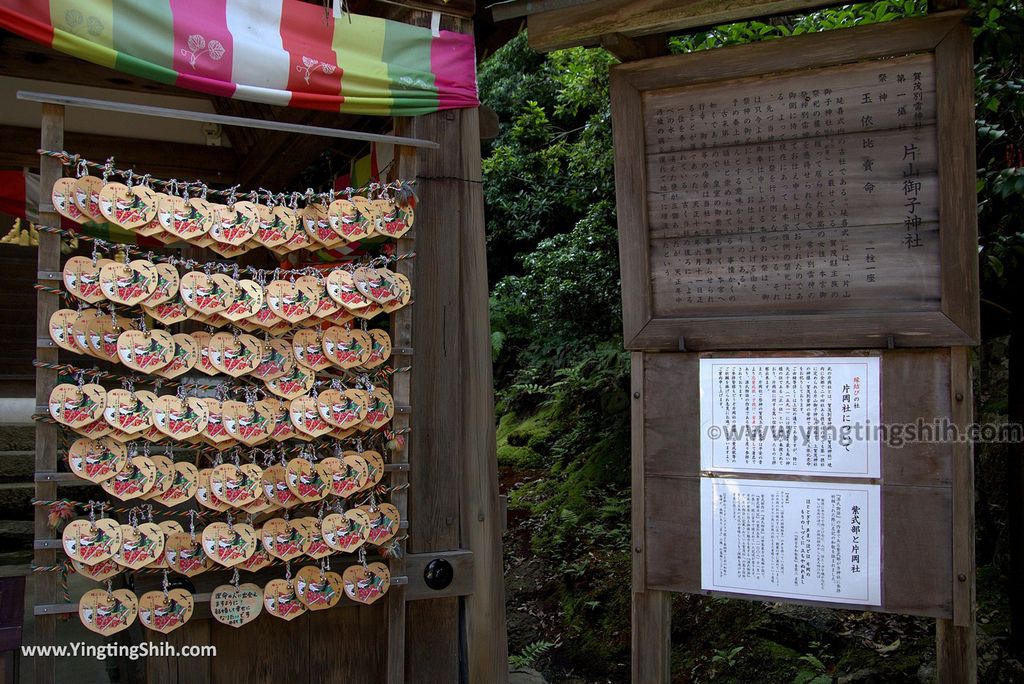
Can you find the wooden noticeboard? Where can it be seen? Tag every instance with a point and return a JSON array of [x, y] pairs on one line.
[[812, 192], [916, 480]]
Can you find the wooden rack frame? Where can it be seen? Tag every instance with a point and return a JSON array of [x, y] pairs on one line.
[[459, 628]]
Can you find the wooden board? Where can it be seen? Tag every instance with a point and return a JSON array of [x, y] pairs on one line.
[[917, 479], [778, 195]]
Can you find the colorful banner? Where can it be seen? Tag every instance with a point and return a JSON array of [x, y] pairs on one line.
[[280, 52]]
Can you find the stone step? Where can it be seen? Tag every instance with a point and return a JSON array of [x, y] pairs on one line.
[[17, 466], [16, 498], [17, 437]]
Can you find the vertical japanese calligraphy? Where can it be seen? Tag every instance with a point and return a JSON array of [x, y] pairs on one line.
[[799, 416], [809, 192], [794, 540]]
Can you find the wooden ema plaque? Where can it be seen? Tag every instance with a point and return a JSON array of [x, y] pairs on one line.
[[817, 191], [916, 484]]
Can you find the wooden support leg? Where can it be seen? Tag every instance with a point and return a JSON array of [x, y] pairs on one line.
[[46, 433], [652, 648], [652, 610], [955, 640]]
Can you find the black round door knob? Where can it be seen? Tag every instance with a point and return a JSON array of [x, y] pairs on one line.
[[438, 574]]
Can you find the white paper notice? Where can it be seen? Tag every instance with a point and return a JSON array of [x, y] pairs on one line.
[[798, 540], [799, 416]]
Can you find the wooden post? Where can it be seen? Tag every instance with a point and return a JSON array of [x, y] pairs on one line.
[[402, 342], [481, 514], [956, 647], [50, 169], [652, 610]]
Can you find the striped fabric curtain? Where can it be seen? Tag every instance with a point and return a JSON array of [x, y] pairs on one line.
[[279, 52]]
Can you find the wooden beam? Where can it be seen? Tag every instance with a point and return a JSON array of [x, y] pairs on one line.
[[162, 159], [628, 49], [586, 23], [37, 62], [47, 434]]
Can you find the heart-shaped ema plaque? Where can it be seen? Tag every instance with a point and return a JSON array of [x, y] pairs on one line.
[[318, 548], [343, 409], [283, 539], [246, 422], [347, 348], [76, 406], [184, 483], [346, 531], [164, 613], [87, 197], [293, 301], [366, 584], [306, 480], [297, 382], [96, 460], [188, 219], [235, 224], [236, 486], [306, 417], [82, 278], [106, 612], [185, 555], [61, 327], [308, 350], [179, 418], [229, 545], [63, 198], [316, 223], [281, 601], [275, 487], [146, 352], [275, 225], [236, 606], [247, 302], [205, 293], [127, 207], [316, 589], [129, 283], [140, 546], [137, 478], [235, 355], [91, 542], [167, 283], [341, 287], [277, 358], [184, 359]]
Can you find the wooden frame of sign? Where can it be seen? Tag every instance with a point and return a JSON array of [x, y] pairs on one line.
[[812, 192], [917, 478]]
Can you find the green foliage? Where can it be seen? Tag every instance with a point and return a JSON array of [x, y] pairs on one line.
[[562, 379], [530, 655], [846, 16]]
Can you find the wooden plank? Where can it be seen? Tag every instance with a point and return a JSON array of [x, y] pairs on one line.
[[435, 481], [186, 115], [584, 24], [956, 639], [487, 646], [628, 49], [651, 610], [793, 197], [361, 657], [47, 435], [401, 332], [954, 64], [630, 182], [917, 495], [160, 158]]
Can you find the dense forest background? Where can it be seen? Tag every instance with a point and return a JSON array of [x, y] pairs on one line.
[[562, 383]]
